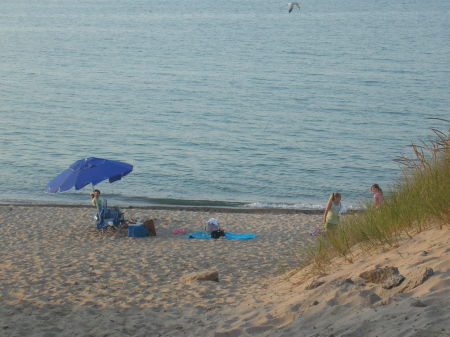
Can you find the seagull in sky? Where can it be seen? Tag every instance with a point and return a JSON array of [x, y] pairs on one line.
[[291, 6]]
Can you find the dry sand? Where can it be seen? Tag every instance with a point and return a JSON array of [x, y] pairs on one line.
[[59, 276]]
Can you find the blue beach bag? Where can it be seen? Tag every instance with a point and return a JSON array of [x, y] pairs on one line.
[[137, 231]]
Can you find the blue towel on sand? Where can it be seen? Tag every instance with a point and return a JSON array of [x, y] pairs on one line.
[[228, 235]]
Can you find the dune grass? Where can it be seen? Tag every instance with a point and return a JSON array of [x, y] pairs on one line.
[[420, 200]]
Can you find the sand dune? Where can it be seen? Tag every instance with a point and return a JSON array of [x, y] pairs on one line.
[[345, 305]]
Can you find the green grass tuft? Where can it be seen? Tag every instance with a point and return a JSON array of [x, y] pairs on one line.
[[420, 199]]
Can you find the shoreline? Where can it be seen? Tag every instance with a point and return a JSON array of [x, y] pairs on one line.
[[182, 208]]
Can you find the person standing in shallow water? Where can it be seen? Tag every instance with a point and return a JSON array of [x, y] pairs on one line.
[[331, 217], [377, 195]]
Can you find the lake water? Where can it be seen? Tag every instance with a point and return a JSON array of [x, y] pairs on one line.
[[235, 103]]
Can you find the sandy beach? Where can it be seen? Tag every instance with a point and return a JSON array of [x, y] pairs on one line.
[[59, 276]]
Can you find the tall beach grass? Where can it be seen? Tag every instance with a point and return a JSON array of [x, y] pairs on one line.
[[420, 200]]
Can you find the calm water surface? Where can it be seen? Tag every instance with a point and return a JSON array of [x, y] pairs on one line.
[[229, 103]]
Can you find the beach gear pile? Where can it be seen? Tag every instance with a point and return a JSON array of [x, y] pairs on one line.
[[215, 232], [214, 228]]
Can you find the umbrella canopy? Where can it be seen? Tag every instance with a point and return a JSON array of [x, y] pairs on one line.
[[88, 171]]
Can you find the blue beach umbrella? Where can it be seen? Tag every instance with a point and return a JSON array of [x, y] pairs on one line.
[[88, 171]]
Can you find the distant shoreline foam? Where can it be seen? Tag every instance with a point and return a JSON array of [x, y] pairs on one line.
[[189, 205], [177, 208]]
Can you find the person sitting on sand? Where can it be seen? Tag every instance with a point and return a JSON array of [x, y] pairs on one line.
[[98, 202], [377, 195], [331, 214]]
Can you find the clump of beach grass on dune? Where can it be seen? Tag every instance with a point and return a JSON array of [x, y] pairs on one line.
[[419, 200]]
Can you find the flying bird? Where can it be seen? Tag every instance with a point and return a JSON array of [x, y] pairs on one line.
[[291, 6]]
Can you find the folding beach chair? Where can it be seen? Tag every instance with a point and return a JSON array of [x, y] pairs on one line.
[[109, 217]]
